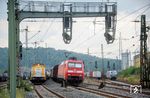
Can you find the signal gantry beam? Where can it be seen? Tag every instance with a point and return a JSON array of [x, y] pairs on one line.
[[69, 10]]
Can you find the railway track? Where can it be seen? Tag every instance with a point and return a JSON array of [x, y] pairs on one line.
[[123, 88], [118, 85], [44, 92], [101, 93]]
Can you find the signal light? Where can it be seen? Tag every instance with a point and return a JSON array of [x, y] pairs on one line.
[[20, 50], [96, 64]]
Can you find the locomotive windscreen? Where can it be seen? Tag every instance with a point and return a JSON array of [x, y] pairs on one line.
[[75, 65]]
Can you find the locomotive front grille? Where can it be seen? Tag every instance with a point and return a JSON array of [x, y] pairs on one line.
[[74, 78]]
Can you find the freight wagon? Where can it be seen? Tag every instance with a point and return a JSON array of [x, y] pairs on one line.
[[111, 74]]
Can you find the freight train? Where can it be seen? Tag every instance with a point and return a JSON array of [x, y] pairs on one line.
[[69, 72], [94, 74], [111, 74], [97, 74], [4, 76], [37, 74]]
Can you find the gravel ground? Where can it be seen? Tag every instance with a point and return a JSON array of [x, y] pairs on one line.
[[70, 92], [44, 92], [31, 95]]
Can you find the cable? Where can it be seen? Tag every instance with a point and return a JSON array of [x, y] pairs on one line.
[[83, 32], [78, 45], [133, 12], [50, 26], [34, 35], [138, 16]]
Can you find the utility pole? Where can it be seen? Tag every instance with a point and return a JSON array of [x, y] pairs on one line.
[[12, 60], [94, 22], [26, 35], [102, 84], [26, 40], [88, 51], [35, 47], [46, 54], [102, 61], [36, 51], [120, 45]]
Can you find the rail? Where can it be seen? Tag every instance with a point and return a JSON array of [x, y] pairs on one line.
[[57, 94], [102, 93], [3, 85], [50, 91], [118, 86]]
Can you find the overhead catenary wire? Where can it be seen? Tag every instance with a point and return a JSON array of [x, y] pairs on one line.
[[139, 16], [42, 38], [78, 45], [133, 12], [136, 34], [147, 6], [87, 27], [117, 20]]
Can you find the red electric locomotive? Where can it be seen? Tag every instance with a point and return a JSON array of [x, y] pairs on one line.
[[71, 72]]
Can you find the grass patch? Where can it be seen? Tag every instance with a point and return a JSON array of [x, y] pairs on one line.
[[4, 93], [26, 85], [20, 92], [130, 75]]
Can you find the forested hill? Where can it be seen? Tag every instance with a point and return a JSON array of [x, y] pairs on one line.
[[3, 59], [51, 57]]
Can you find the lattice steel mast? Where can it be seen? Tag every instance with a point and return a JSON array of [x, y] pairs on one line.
[[144, 66]]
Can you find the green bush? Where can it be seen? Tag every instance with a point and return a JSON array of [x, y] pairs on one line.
[[26, 85], [130, 75], [130, 71]]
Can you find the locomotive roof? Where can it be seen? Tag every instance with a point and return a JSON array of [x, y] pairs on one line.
[[73, 60], [38, 64]]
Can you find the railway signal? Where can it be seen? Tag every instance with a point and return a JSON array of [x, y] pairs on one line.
[[96, 65], [20, 50], [108, 66]]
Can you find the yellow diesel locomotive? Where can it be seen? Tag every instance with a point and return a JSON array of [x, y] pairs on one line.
[[38, 73]]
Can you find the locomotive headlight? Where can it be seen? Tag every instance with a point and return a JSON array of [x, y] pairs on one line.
[[70, 70], [69, 74]]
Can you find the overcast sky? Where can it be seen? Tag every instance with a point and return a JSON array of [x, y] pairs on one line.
[[83, 29]]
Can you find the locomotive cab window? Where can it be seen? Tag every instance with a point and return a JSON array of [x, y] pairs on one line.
[[76, 65]]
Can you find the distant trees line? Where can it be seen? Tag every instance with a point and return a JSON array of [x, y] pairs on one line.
[[51, 57]]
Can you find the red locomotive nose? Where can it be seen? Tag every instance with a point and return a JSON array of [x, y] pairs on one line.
[[70, 71]]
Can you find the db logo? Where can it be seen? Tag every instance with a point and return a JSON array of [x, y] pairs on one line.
[[75, 70], [135, 89]]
